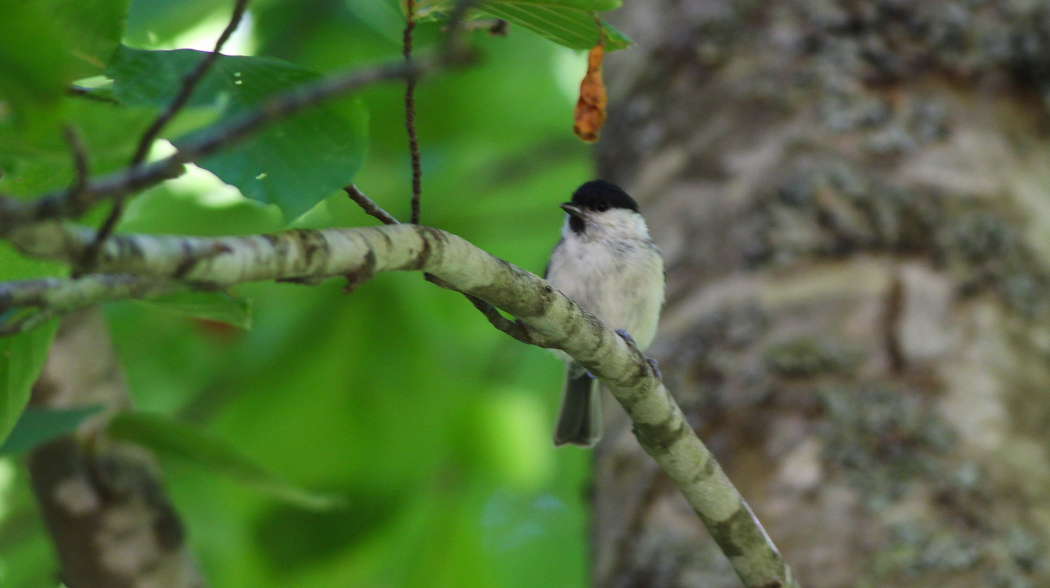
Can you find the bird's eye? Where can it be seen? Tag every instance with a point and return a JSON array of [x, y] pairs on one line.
[[601, 207]]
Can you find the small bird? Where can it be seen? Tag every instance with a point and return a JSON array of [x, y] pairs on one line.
[[608, 264]]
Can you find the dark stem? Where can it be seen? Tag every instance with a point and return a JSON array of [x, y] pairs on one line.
[[410, 113], [370, 207], [189, 84]]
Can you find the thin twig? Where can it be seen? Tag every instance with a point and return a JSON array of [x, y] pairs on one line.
[[81, 166], [369, 206], [189, 84], [410, 112], [515, 329]]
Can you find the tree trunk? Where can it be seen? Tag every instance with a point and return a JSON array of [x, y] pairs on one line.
[[102, 500], [852, 200]]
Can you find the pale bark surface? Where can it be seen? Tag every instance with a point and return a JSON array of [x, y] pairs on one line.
[[853, 200]]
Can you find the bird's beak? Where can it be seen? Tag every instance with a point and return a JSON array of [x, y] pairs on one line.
[[572, 209]]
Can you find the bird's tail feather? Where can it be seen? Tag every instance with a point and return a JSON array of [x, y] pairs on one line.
[[580, 418]]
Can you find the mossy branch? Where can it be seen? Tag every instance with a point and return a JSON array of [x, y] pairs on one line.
[[548, 318]]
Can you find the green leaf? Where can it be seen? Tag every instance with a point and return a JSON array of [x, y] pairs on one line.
[[34, 64], [212, 306], [91, 29], [21, 359], [21, 356], [178, 439], [37, 426], [570, 23], [294, 163]]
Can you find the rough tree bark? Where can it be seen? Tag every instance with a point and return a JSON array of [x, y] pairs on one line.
[[853, 199]]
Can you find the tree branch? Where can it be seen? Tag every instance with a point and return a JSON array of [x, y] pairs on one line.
[[189, 84], [369, 206], [502, 323], [550, 318]]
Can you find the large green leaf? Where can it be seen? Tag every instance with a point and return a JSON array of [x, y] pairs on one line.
[[294, 163], [21, 359], [570, 23], [21, 356], [174, 438], [37, 426]]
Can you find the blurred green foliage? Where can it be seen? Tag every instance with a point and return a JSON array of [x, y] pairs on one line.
[[400, 398]]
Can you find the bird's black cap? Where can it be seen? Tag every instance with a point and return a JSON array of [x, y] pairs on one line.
[[602, 195]]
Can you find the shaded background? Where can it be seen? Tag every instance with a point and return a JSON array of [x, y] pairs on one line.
[[400, 397]]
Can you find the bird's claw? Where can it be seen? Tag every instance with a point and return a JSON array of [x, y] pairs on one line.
[[626, 337], [656, 369]]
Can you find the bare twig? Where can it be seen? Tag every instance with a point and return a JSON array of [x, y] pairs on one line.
[[410, 112], [189, 84], [369, 206], [515, 329], [497, 320]]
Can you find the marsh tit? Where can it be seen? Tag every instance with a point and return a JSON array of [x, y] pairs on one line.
[[607, 263]]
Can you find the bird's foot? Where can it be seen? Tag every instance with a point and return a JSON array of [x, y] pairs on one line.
[[626, 337], [656, 368]]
